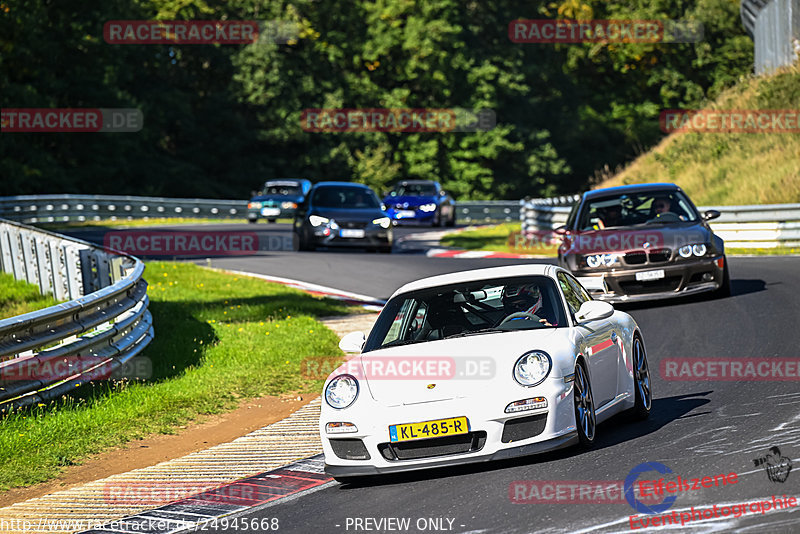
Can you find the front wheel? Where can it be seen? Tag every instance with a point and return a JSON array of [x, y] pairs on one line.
[[452, 220], [642, 386], [585, 418], [272, 220], [252, 221]]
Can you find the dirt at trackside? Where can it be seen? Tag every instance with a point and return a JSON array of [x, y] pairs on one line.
[[250, 416]]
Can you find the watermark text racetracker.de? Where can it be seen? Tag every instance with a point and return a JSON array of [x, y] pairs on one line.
[[407, 120], [401, 368], [730, 121], [195, 243], [595, 241], [730, 369], [193, 32], [70, 120], [566, 31]]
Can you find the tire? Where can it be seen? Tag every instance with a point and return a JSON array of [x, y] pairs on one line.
[[272, 220], [642, 382], [252, 221], [725, 287], [385, 250], [585, 417], [452, 220], [437, 218], [304, 244]]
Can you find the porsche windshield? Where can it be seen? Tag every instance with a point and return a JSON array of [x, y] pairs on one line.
[[470, 308], [652, 207]]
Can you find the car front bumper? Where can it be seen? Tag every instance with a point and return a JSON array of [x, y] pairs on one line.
[[680, 279], [254, 214], [373, 237], [538, 431]]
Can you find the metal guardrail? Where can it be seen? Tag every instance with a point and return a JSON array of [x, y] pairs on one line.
[[759, 226], [80, 208], [71, 208], [47, 353], [774, 26]]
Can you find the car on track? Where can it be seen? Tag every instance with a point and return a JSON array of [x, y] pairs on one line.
[[642, 242], [342, 214], [278, 198], [481, 365], [420, 202]]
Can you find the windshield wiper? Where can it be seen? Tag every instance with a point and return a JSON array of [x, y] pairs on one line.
[[399, 342], [476, 332]]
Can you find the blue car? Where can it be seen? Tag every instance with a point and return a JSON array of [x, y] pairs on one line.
[[278, 198], [420, 202]]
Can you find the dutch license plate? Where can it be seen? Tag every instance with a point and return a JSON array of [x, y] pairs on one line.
[[405, 213], [650, 275], [268, 212], [429, 429], [349, 232]]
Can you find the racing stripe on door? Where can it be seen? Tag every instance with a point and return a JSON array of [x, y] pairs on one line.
[[594, 349]]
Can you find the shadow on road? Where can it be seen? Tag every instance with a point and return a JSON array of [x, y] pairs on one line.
[[619, 429]]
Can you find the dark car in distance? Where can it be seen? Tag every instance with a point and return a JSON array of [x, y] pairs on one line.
[[278, 198], [342, 214], [420, 202], [640, 242]]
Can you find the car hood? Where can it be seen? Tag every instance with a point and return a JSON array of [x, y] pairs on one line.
[[412, 201], [349, 214], [457, 367], [622, 240], [278, 198]]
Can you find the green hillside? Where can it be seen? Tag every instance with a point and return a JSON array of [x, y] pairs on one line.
[[725, 168]]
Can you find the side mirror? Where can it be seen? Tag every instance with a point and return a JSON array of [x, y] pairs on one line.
[[560, 230], [594, 310], [442, 193], [353, 342], [710, 214], [383, 206]]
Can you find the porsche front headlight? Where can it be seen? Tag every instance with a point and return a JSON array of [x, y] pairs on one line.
[[341, 392], [428, 207], [532, 368]]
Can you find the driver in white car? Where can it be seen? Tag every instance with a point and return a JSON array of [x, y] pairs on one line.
[[525, 298]]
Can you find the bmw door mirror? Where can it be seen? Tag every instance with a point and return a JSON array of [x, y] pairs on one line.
[[710, 214], [353, 342], [560, 230], [594, 310]]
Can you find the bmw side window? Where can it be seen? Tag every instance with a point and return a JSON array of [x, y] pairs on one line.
[[573, 301], [573, 215]]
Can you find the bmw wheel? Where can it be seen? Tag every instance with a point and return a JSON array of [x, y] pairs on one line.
[[585, 419], [641, 382]]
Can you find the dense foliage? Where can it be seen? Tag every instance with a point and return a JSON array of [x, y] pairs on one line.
[[220, 119]]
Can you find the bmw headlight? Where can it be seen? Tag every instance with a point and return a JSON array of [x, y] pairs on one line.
[[428, 207], [685, 251], [383, 222], [341, 392], [699, 250], [254, 205], [532, 368], [316, 220], [599, 260]]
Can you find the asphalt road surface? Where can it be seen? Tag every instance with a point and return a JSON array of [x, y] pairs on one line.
[[696, 428]]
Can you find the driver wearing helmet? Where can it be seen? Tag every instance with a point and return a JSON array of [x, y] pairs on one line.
[[524, 298]]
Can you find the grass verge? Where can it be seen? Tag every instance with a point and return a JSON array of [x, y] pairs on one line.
[[495, 238], [18, 297], [219, 338]]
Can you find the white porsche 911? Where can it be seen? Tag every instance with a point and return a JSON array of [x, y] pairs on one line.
[[481, 365]]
